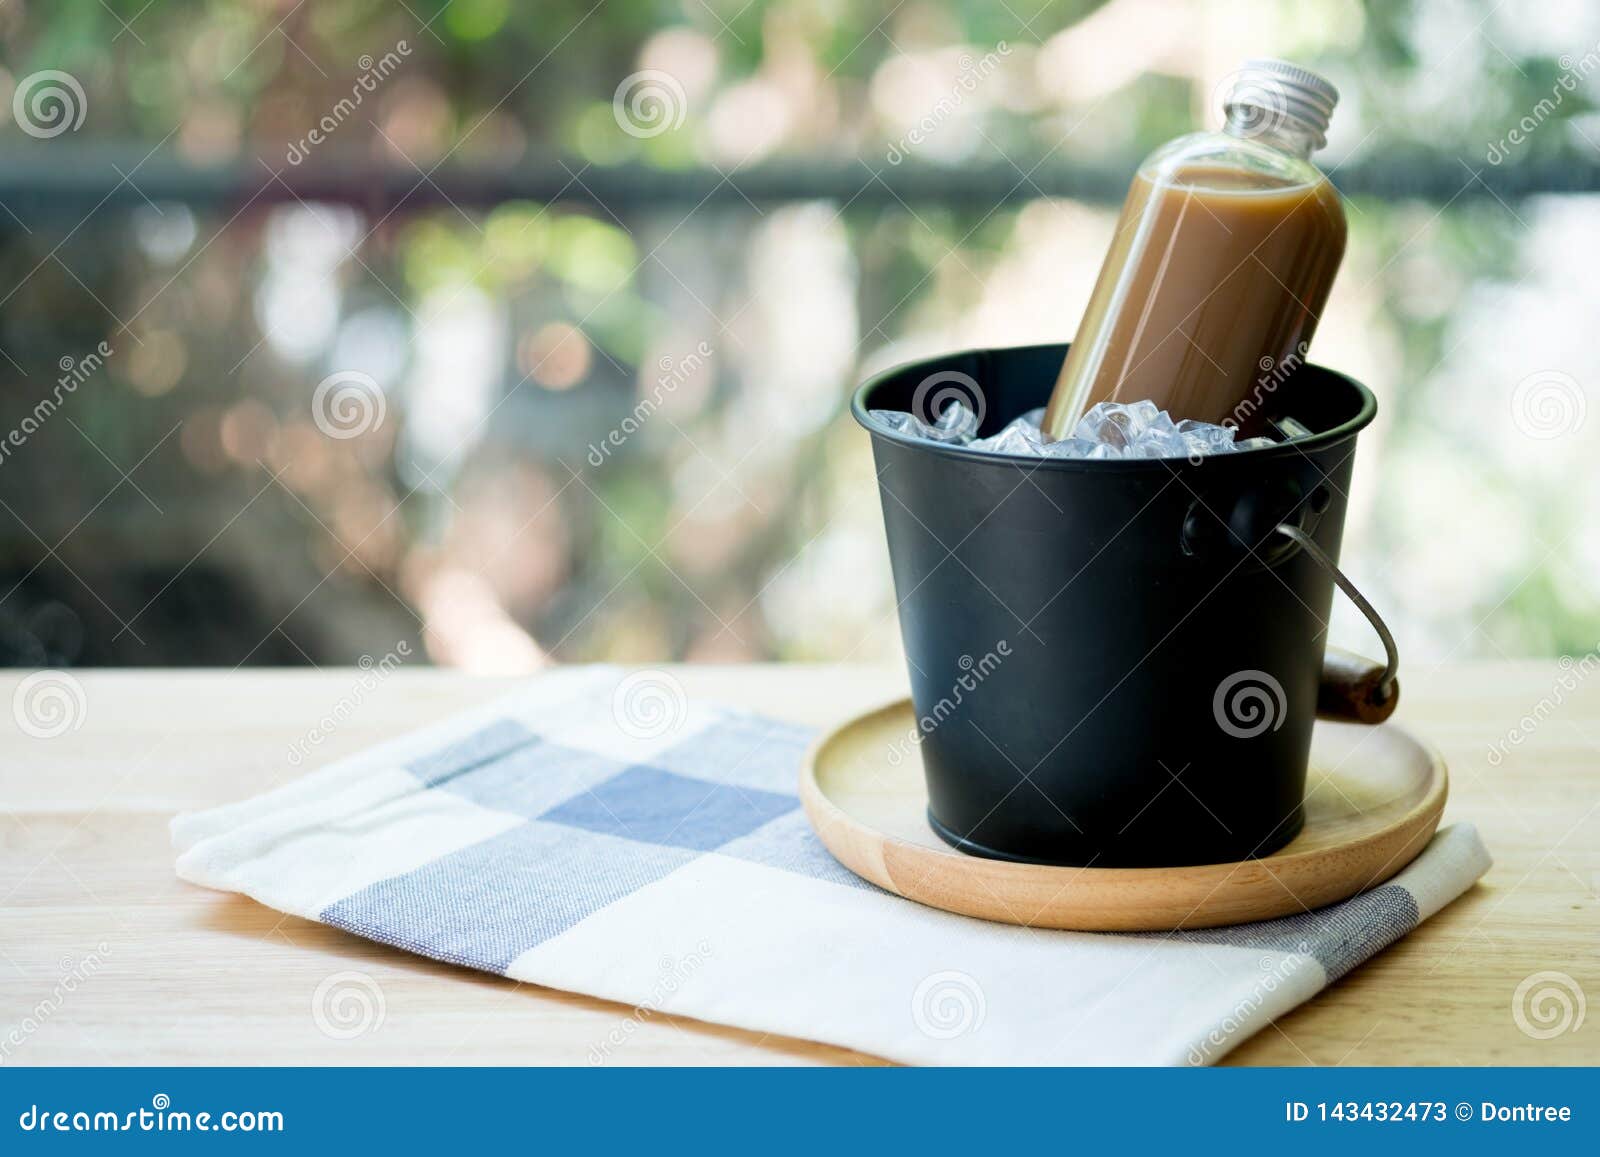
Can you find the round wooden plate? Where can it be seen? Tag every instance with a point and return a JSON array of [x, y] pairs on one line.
[[1373, 799]]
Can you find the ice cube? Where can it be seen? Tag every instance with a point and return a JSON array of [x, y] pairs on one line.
[[1102, 427], [1110, 430], [1068, 448], [1162, 423], [1204, 438], [957, 424], [1160, 444], [899, 422], [1144, 413], [1116, 424], [1020, 437]]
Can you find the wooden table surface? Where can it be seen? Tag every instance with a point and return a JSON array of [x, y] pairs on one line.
[[107, 958]]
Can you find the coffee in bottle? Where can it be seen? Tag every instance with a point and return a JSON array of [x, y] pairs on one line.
[[1223, 257]]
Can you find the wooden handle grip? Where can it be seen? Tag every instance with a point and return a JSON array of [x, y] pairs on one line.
[[1353, 689]]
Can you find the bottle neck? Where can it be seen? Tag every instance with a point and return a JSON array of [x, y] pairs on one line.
[[1286, 134]]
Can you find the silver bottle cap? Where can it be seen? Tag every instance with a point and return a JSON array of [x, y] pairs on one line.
[[1268, 93]]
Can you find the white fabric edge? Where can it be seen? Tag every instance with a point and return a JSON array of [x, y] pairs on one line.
[[547, 690], [1452, 862]]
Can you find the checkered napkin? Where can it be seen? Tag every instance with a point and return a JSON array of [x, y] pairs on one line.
[[568, 836]]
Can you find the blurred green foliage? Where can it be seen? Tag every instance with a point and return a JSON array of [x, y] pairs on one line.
[[738, 521]]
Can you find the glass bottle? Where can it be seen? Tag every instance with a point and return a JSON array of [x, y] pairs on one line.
[[1223, 257]]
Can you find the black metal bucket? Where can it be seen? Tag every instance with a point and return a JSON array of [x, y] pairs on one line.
[[1117, 663]]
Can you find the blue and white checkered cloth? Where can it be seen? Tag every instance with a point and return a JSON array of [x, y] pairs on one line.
[[568, 836]]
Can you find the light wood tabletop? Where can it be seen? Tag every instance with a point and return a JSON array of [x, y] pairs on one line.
[[107, 958]]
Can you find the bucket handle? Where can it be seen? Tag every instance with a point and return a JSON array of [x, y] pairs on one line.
[[1353, 688]]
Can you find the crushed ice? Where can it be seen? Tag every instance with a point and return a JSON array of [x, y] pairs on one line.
[[1108, 430]]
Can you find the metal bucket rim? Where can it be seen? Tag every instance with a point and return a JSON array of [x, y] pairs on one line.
[[858, 409]]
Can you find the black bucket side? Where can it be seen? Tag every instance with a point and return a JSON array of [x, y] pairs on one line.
[[1078, 633]]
